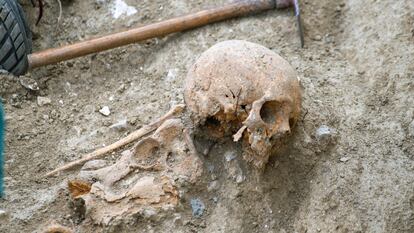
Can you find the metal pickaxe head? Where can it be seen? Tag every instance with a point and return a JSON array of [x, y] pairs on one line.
[[295, 3]]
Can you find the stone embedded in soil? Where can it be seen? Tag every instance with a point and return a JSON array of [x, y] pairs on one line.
[[324, 132], [230, 155], [214, 185], [171, 75], [121, 88], [42, 101], [120, 8], [105, 111], [197, 207], [149, 213], [240, 178], [3, 213], [317, 38], [29, 83], [344, 159]]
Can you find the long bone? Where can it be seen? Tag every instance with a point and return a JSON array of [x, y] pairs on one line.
[[175, 110]]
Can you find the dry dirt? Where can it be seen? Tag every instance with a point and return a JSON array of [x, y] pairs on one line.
[[357, 75]]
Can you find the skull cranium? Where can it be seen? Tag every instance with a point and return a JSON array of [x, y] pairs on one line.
[[241, 88]]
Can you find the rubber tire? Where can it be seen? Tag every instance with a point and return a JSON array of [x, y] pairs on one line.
[[15, 38]]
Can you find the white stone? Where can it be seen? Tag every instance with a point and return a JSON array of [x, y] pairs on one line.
[[42, 101], [29, 83], [324, 132], [171, 75], [105, 111], [344, 159], [119, 8], [2, 213], [230, 155], [239, 179]]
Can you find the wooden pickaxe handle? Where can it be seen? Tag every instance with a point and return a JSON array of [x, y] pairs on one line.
[[163, 28]]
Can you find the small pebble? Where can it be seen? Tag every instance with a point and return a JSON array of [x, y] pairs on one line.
[[105, 111], [344, 159], [121, 88], [171, 75], [230, 155], [197, 207], [318, 38], [212, 186], [148, 213], [42, 101], [29, 83], [239, 179], [3, 213], [324, 132]]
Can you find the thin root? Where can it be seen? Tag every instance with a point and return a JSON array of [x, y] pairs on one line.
[[39, 17], [60, 11], [41, 7]]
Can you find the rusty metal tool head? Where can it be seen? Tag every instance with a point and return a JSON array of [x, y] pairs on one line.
[[163, 28], [299, 22], [295, 4]]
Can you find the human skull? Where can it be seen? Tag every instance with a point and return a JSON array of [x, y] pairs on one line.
[[244, 89]]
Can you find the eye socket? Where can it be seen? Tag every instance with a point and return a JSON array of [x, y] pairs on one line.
[[269, 111]]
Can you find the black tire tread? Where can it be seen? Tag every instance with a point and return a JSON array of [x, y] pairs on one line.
[[15, 38]]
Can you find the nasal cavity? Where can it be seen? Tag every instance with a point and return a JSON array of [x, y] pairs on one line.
[[269, 110], [212, 122]]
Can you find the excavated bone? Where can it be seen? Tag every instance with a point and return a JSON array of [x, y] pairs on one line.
[[246, 90], [147, 177]]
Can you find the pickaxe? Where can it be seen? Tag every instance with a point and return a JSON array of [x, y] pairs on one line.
[[163, 28]]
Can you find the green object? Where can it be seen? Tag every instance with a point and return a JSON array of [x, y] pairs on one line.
[[2, 123]]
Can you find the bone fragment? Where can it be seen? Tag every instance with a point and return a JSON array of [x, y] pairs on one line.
[[122, 142], [239, 134], [56, 228]]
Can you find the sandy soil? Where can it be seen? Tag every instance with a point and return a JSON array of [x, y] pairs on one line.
[[357, 76]]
